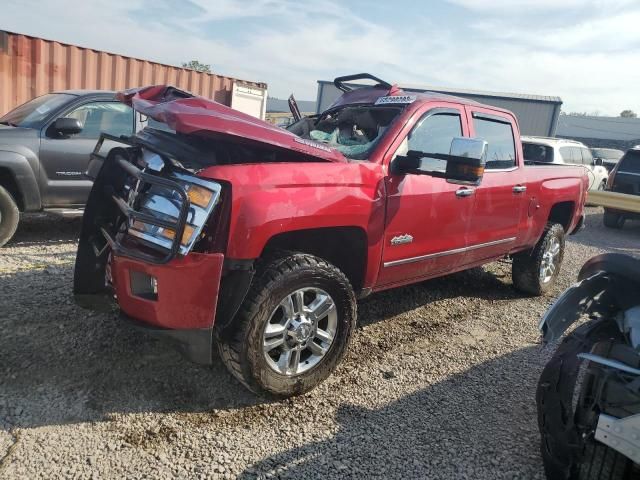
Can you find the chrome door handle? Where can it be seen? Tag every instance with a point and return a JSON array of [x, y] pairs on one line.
[[519, 189], [464, 192]]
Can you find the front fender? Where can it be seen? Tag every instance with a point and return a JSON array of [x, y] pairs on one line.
[[574, 302], [24, 177], [607, 283]]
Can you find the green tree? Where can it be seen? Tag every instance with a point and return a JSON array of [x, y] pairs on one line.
[[628, 114], [197, 66]]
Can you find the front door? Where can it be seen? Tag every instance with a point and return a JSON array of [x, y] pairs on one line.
[[500, 197], [427, 217], [65, 159]]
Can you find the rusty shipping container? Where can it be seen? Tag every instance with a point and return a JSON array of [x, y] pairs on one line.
[[31, 66]]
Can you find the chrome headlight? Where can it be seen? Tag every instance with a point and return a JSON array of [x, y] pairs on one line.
[[164, 203]]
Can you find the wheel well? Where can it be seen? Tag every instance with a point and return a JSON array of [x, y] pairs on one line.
[[8, 181], [562, 213], [344, 247]]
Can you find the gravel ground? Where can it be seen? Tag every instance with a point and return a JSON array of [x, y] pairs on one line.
[[439, 383]]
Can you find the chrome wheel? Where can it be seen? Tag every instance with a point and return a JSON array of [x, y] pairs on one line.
[[300, 331], [550, 260]]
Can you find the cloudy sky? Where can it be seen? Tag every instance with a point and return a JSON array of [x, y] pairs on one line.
[[585, 51]]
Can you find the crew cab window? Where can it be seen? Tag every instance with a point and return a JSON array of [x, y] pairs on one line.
[[433, 134], [110, 117], [501, 151]]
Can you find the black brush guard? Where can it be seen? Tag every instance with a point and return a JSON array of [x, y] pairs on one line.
[[128, 210]]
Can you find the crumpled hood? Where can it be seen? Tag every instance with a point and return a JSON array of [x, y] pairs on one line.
[[189, 114]]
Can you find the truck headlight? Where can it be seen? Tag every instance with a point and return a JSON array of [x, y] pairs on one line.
[[164, 204]]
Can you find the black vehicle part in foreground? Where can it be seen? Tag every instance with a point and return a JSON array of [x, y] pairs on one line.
[[588, 395]]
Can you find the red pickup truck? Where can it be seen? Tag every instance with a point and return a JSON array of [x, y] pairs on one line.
[[210, 227]]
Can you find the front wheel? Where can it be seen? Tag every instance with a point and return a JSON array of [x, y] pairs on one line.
[[292, 329], [9, 216], [536, 271]]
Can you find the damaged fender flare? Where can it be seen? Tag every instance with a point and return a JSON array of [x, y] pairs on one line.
[[593, 292]]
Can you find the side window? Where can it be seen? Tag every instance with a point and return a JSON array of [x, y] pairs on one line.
[[433, 134], [587, 158], [501, 152], [567, 154], [110, 117]]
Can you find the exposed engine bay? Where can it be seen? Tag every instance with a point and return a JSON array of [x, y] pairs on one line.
[[197, 151]]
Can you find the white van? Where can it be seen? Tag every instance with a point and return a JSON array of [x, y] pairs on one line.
[[559, 150]]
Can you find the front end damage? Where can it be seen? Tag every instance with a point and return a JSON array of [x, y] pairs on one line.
[[154, 232], [150, 239]]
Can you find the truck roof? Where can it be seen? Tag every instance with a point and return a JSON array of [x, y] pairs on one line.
[[370, 94]]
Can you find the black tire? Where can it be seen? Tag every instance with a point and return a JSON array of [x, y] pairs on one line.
[[9, 216], [241, 344], [613, 220], [603, 463], [526, 266], [566, 453]]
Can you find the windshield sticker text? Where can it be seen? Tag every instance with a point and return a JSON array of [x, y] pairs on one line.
[[396, 99]]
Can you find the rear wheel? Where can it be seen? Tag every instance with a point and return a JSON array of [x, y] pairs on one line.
[[613, 220], [292, 329], [535, 271], [9, 216]]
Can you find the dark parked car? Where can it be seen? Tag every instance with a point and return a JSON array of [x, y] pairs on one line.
[[44, 152], [624, 178], [607, 157]]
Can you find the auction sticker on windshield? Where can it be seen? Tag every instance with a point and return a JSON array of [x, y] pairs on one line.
[[396, 99]]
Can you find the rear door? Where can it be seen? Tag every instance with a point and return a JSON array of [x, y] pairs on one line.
[[427, 217], [64, 159], [499, 199]]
